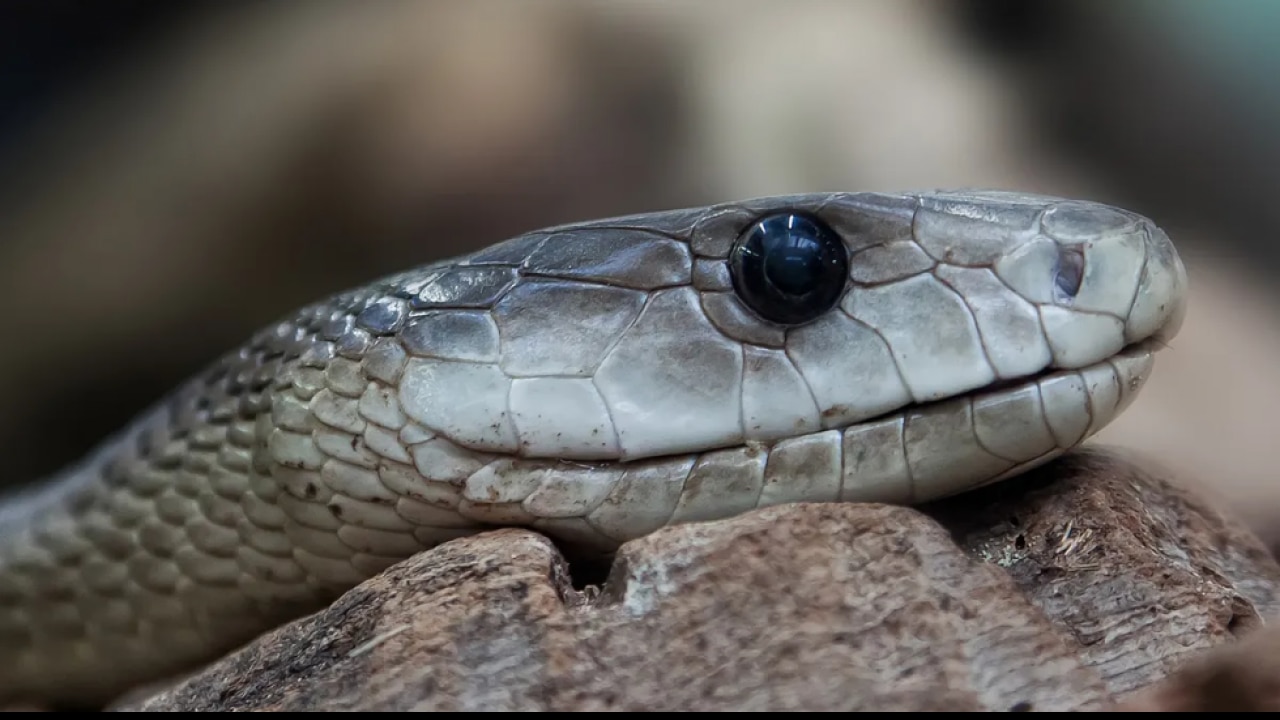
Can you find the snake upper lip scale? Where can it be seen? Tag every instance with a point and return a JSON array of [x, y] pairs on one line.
[[596, 382]]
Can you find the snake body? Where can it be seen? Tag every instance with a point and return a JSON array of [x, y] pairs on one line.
[[595, 382]]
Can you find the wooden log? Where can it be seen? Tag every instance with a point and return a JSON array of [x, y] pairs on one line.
[[1067, 589]]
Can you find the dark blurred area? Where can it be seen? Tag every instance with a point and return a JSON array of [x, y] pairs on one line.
[[1173, 104], [50, 49], [175, 174]]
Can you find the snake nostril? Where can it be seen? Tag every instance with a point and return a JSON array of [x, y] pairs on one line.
[[1069, 272]]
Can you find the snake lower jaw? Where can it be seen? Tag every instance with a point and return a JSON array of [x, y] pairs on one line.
[[916, 454]]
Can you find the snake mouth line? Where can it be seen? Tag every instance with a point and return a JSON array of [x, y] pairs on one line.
[[1139, 350], [1143, 348]]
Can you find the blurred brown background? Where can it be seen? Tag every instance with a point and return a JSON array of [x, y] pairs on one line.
[[175, 174]]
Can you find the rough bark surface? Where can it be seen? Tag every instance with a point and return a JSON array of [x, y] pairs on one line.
[[1240, 677], [1064, 590]]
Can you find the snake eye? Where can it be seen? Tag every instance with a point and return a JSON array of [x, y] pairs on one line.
[[789, 268]]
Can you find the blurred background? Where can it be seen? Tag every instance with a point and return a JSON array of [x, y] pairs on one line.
[[174, 175]]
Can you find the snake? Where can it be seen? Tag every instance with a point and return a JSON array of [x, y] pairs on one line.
[[593, 382]]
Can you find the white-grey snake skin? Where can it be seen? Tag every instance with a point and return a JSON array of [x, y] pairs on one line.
[[594, 381]]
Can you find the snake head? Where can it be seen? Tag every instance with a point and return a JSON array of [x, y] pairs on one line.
[[689, 330]]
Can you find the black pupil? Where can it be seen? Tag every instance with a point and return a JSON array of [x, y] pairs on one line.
[[789, 268], [794, 264]]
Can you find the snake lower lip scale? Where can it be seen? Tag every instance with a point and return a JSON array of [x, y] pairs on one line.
[[595, 382]]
